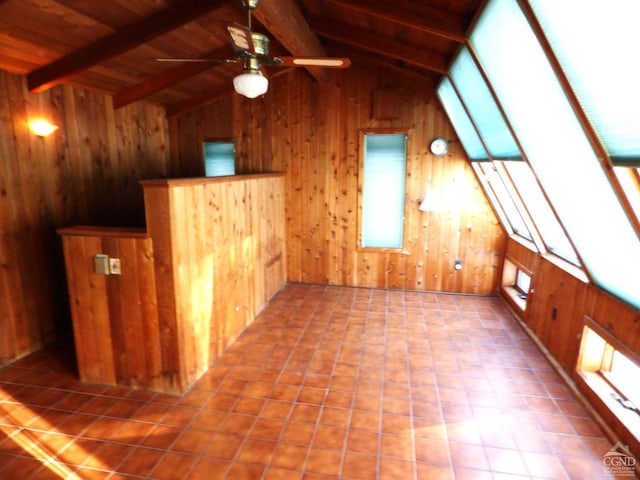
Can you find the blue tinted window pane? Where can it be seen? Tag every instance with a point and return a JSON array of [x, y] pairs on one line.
[[557, 148], [219, 159], [602, 67], [506, 200], [548, 227], [482, 108], [460, 120], [383, 192]]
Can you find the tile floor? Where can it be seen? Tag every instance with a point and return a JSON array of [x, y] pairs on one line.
[[329, 382]]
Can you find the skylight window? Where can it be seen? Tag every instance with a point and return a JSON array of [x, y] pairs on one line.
[[484, 112], [553, 236], [557, 148], [601, 67], [505, 199], [461, 123]]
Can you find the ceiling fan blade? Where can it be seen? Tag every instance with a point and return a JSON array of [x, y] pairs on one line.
[[328, 62], [197, 60], [241, 39]]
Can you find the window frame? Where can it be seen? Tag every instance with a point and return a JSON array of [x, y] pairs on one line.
[[361, 163], [592, 367]]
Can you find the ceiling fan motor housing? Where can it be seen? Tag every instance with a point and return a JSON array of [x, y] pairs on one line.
[[260, 44]]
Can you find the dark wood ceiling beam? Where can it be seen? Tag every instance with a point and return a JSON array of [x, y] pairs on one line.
[[177, 74], [435, 23], [397, 70], [286, 23], [365, 40], [119, 42]]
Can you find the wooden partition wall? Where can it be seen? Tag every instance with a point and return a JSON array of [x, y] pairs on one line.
[[211, 258], [555, 312], [312, 132], [219, 250], [87, 172]]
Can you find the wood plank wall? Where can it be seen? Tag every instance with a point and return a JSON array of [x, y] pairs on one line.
[[556, 312], [311, 132], [118, 338], [219, 252], [85, 173]]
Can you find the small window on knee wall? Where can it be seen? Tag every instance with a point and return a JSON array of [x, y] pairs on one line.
[[611, 371], [383, 172]]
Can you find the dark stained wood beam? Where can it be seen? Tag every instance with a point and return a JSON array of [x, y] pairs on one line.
[[436, 23], [180, 72], [286, 23], [387, 47], [119, 42], [407, 75]]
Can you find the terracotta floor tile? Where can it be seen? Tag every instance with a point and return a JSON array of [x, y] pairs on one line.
[[289, 456], [324, 461], [267, 428], [242, 471], [327, 436], [397, 446], [328, 382], [359, 466], [276, 409], [223, 445], [140, 461], [396, 468], [209, 468], [257, 451], [296, 432], [503, 460], [192, 441]]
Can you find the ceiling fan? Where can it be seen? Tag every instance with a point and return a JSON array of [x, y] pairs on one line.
[[252, 49]]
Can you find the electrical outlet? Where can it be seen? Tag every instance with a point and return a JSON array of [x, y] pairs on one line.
[[114, 266]]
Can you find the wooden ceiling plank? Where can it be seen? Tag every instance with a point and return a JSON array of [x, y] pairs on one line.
[[452, 29], [167, 78], [362, 59], [124, 39], [368, 41], [286, 23]]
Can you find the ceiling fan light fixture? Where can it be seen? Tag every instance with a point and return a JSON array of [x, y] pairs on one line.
[[251, 84]]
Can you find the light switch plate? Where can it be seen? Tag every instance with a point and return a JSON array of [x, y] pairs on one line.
[[114, 266]]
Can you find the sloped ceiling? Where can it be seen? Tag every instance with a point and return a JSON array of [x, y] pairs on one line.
[[112, 45]]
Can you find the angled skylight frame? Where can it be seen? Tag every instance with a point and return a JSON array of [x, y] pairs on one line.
[[554, 141], [482, 107], [599, 70]]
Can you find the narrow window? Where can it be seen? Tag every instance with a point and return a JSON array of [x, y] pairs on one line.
[[219, 159], [384, 167], [523, 283]]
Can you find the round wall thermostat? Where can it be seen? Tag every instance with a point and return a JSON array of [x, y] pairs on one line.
[[439, 146]]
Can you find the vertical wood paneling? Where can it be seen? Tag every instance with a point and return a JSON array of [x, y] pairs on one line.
[[319, 129], [219, 247], [557, 293], [87, 172], [115, 317]]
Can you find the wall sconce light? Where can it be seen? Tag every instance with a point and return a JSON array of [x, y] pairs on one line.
[[457, 265], [42, 127]]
